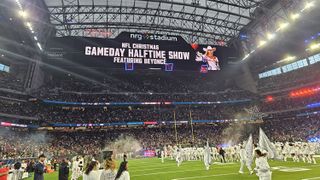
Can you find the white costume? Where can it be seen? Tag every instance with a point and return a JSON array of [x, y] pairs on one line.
[[244, 161], [262, 168], [124, 176], [213, 63], [108, 174], [178, 157], [311, 153], [93, 175], [76, 173], [207, 157], [162, 156]]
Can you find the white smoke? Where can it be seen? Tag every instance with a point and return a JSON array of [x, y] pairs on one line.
[[124, 144], [235, 133], [4, 131], [39, 137], [231, 135]]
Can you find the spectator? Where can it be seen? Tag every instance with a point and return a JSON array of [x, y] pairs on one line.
[[123, 173], [91, 172], [109, 173], [40, 168], [64, 170], [17, 172], [4, 171]]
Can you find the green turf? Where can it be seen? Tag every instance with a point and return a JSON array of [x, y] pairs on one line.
[[153, 169]]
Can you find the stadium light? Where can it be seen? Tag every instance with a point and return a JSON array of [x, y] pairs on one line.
[[29, 25], [270, 36], [19, 4], [262, 43], [295, 16], [283, 26], [245, 57], [309, 5], [39, 45], [289, 58], [23, 14], [315, 46]]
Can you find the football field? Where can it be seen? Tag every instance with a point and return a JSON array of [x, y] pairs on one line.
[[153, 169]]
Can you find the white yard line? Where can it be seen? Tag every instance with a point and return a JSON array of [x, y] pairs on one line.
[[156, 165], [170, 172], [193, 165], [311, 178], [162, 168], [199, 177], [167, 172], [311, 165], [165, 164]]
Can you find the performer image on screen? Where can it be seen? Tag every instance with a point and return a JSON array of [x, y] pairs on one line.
[[209, 58]]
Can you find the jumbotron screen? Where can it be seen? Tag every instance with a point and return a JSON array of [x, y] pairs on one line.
[[130, 51]]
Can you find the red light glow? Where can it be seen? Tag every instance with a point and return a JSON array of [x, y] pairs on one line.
[[304, 92], [269, 99]]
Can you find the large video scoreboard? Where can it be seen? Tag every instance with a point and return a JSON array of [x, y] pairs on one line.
[[130, 51]]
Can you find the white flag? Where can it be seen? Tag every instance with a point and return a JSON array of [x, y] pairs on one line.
[[249, 150], [207, 154], [265, 144]]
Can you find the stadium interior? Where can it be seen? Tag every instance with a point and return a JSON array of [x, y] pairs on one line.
[[159, 83]]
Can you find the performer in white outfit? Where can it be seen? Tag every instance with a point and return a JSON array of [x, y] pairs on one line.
[[162, 156], [178, 157], [311, 153], [207, 156], [165, 150], [262, 168], [76, 172], [91, 172], [244, 160]]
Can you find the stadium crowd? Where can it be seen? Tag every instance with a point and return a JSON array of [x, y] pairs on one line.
[[70, 142], [35, 111], [287, 103]]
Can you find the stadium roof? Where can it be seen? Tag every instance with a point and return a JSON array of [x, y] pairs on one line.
[[198, 21]]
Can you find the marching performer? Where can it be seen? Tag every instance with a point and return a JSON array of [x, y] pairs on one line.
[[244, 160], [76, 172], [311, 153], [162, 156], [262, 168], [207, 156], [178, 157]]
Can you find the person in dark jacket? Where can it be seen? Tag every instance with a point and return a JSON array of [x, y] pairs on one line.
[[39, 168], [222, 153], [64, 170]]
